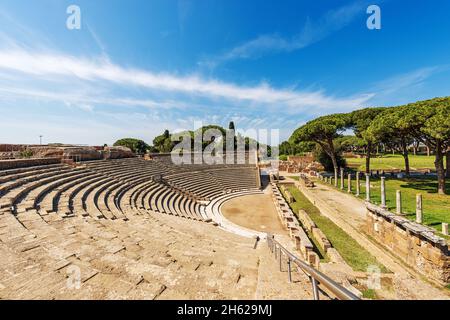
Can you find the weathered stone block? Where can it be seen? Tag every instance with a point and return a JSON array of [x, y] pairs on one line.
[[321, 239], [306, 220]]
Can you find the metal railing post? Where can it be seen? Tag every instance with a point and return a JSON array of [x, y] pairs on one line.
[[289, 270], [316, 277], [280, 253], [315, 288]]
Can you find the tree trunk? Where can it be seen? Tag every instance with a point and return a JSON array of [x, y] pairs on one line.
[[369, 151], [439, 164], [447, 163], [332, 153], [405, 156], [334, 160], [415, 146]]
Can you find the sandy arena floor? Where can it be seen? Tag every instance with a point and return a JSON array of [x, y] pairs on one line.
[[255, 212]]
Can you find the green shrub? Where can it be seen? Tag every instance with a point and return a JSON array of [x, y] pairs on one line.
[[26, 153]]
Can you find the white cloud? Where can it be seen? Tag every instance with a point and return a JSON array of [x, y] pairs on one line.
[[52, 67], [84, 101]]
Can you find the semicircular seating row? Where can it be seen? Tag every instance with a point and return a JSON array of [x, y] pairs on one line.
[[210, 184]]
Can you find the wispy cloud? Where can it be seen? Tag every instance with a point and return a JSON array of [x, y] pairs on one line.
[[408, 86], [86, 101], [409, 79], [312, 32], [58, 67], [96, 39]]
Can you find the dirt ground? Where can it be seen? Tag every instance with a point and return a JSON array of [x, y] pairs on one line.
[[255, 212]]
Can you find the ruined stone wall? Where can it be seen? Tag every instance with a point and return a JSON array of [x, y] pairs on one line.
[[23, 163], [117, 153], [301, 160], [11, 147], [415, 244]]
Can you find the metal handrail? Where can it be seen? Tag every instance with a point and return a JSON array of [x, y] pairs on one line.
[[316, 277]]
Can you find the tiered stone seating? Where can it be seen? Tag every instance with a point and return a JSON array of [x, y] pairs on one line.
[[13, 186], [104, 220], [200, 184], [97, 188], [208, 184], [236, 179], [122, 259], [167, 164]]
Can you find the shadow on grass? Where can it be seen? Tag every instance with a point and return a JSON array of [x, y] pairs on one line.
[[425, 185], [437, 223]]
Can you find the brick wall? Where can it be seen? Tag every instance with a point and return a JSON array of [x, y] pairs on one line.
[[11, 147]]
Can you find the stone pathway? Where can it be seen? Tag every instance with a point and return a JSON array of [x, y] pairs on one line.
[[269, 273]]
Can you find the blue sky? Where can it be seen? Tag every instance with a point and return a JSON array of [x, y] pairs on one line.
[[138, 67]]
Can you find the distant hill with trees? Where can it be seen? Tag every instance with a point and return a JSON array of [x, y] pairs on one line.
[[167, 141]]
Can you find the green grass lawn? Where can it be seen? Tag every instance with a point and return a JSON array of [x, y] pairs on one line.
[[436, 208], [390, 162], [317, 249], [354, 254]]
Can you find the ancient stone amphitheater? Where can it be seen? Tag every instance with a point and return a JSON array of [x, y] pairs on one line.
[[131, 229]]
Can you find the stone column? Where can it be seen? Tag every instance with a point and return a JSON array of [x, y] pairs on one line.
[[349, 183], [398, 201], [383, 192], [367, 187], [335, 177], [342, 179], [419, 212], [445, 228], [358, 187]]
